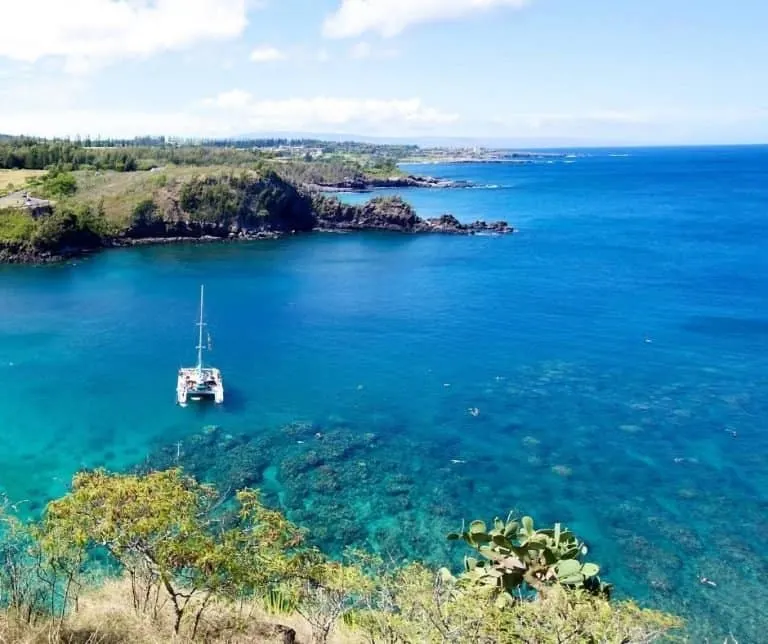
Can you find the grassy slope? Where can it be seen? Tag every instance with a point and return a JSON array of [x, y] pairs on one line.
[[11, 180], [116, 194], [105, 616], [122, 191]]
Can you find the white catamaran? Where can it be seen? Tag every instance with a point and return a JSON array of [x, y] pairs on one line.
[[199, 382]]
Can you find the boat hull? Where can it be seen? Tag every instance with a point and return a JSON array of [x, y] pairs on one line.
[[199, 385]]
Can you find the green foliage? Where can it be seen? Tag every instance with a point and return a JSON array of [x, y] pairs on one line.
[[515, 554], [20, 588], [212, 199], [40, 574], [71, 227], [415, 604], [252, 201], [279, 602], [159, 180], [58, 184], [180, 543], [162, 529], [40, 154], [144, 214], [336, 160], [16, 226], [328, 591], [383, 167], [320, 172]]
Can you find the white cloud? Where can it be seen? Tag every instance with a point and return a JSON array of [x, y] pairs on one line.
[[266, 54], [93, 33], [235, 112], [238, 112], [390, 17], [322, 113]]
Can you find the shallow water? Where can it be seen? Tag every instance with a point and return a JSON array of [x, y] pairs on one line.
[[615, 349]]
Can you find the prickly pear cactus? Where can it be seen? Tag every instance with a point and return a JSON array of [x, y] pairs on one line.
[[515, 554]]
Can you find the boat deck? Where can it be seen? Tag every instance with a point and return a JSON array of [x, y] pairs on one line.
[[199, 384]]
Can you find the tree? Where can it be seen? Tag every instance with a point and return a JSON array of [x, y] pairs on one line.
[[327, 591], [58, 183], [143, 213], [164, 530], [39, 574]]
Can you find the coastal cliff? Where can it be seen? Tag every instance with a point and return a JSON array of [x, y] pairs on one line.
[[207, 207]]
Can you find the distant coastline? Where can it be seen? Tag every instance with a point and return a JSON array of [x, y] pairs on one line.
[[464, 156], [369, 184], [470, 160]]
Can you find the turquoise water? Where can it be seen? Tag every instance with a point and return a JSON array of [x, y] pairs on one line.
[[612, 347]]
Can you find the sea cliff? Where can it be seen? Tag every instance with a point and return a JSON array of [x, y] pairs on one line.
[[218, 206]]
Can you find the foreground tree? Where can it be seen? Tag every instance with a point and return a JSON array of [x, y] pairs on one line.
[[164, 530]]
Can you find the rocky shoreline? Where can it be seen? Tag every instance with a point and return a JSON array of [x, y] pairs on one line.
[[368, 184], [446, 225], [251, 209]]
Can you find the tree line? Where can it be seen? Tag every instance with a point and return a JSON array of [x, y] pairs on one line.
[[143, 153]]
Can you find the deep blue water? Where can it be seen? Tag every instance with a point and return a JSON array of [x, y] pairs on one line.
[[613, 347]]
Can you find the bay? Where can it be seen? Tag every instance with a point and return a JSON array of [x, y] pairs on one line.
[[613, 349]]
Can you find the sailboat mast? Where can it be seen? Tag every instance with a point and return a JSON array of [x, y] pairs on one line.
[[200, 325]]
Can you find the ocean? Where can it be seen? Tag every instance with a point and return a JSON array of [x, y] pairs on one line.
[[605, 366]]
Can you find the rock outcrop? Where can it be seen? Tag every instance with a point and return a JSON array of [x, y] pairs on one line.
[[395, 214], [367, 183], [449, 224]]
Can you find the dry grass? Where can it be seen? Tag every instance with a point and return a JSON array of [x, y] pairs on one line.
[[122, 191], [12, 180], [106, 616], [17, 177]]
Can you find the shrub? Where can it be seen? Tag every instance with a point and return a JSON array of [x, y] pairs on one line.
[[144, 213], [162, 529], [415, 604], [71, 226], [58, 183], [16, 226]]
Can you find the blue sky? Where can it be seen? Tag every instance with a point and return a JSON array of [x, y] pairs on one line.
[[531, 71]]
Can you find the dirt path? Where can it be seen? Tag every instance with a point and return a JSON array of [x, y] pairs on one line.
[[19, 199]]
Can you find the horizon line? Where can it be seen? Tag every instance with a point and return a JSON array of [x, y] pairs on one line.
[[455, 142]]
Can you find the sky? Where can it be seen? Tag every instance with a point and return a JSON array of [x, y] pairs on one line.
[[543, 72]]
